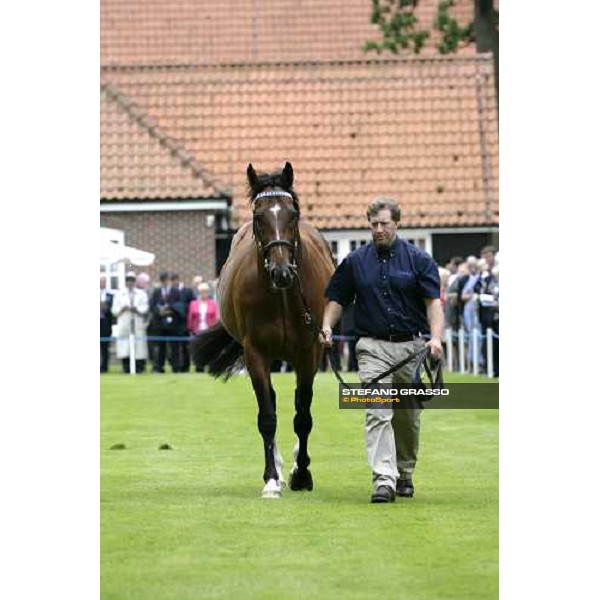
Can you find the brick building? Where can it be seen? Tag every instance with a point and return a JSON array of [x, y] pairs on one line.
[[190, 96]]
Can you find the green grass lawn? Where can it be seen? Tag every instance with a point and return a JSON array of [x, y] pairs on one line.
[[189, 523]]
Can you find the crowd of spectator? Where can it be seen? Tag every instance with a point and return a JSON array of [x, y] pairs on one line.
[[470, 296], [152, 313]]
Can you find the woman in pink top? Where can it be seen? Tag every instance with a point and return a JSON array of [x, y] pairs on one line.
[[203, 312]]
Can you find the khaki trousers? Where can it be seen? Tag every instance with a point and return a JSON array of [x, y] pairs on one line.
[[392, 436]]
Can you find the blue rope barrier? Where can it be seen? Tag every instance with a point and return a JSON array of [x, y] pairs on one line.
[[167, 338], [151, 338], [455, 335], [335, 338]]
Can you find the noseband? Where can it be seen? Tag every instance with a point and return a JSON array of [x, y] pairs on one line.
[[263, 248]]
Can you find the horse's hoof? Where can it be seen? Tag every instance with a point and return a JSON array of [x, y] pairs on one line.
[[301, 481], [272, 489]]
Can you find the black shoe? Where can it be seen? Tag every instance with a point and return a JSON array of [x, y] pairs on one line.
[[405, 488], [383, 494]]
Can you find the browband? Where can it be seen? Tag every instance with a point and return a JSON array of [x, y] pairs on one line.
[[272, 194]]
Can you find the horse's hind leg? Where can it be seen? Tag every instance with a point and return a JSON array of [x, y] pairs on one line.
[[301, 478], [258, 368]]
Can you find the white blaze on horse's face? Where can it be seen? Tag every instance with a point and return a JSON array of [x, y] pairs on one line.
[[275, 210]]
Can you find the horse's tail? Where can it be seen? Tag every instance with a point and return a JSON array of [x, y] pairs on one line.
[[217, 349]]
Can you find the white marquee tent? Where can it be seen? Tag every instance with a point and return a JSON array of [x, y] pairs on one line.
[[115, 256]]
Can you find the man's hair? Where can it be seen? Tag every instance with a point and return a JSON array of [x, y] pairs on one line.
[[488, 249], [383, 204]]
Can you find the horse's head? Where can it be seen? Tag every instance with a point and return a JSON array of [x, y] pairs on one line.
[[275, 223]]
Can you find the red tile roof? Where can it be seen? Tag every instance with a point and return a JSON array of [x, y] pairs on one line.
[[138, 160], [144, 32], [421, 130]]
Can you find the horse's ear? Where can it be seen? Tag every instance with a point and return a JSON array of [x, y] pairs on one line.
[[252, 176], [287, 175]]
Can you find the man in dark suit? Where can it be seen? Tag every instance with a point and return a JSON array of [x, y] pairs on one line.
[[168, 319], [186, 296], [106, 321]]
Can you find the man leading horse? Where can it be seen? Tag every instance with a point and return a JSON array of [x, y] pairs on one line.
[[396, 290]]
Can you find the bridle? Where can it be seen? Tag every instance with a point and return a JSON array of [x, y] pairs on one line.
[[294, 246], [264, 249]]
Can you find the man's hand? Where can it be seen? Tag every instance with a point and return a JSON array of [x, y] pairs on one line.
[[435, 318], [435, 346], [325, 337], [333, 313]]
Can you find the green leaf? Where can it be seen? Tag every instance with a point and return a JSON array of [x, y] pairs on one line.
[[368, 46]]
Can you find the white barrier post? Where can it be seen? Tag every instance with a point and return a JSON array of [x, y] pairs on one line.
[[475, 334], [490, 352], [449, 350], [132, 354], [461, 350]]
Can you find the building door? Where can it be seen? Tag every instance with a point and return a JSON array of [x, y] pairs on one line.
[[223, 244]]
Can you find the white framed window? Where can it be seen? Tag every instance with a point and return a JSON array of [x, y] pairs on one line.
[[115, 275], [354, 244], [114, 272], [418, 241], [333, 244]]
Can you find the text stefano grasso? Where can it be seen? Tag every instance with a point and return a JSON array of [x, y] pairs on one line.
[[395, 392]]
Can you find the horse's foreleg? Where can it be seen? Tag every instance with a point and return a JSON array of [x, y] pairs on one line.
[[277, 455], [301, 478], [258, 368]]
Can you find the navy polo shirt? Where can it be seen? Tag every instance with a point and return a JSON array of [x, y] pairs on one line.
[[388, 287]]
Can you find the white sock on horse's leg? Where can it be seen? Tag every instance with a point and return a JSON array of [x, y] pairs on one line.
[[278, 461], [296, 450]]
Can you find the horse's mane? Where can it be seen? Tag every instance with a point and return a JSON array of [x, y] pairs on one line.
[[274, 179]]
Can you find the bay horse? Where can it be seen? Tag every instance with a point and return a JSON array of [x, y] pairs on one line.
[[271, 297]]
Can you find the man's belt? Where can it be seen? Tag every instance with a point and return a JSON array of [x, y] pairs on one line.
[[396, 337]]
